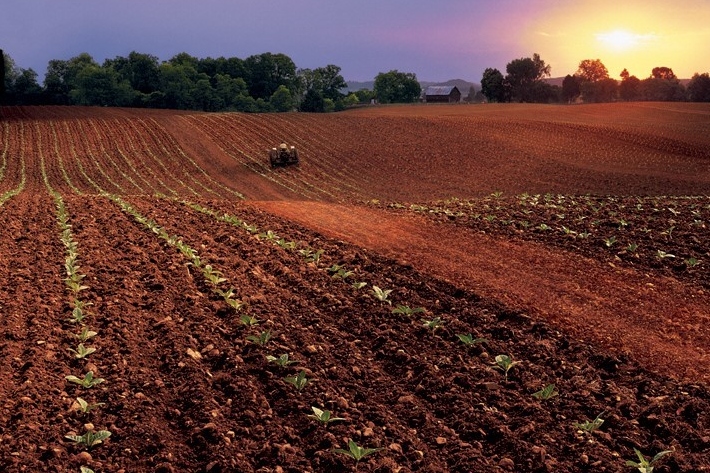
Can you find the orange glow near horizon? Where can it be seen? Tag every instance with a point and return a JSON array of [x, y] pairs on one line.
[[636, 36]]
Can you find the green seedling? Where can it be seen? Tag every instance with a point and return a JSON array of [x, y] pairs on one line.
[[468, 339], [85, 334], [286, 245], [82, 352], [77, 315], [310, 255], [406, 310], [548, 392], [299, 381], [323, 416], [609, 242], [632, 248], [505, 364], [269, 235], [660, 254], [356, 452], [342, 274], [85, 469], [381, 295], [691, 262], [644, 465], [86, 407], [248, 320], [359, 285], [88, 381], [261, 339], [90, 438], [590, 426], [432, 324], [213, 276], [281, 360], [236, 304]]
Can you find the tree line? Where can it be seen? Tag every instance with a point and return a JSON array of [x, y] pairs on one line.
[[260, 83], [525, 82]]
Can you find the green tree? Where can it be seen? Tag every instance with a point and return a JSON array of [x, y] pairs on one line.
[[397, 87], [699, 88], [142, 71], [282, 100], [595, 83], [102, 86], [571, 88], [492, 85], [629, 89], [592, 70], [313, 102], [62, 78], [266, 72], [523, 75], [662, 85]]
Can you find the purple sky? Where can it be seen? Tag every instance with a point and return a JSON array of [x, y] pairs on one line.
[[437, 40]]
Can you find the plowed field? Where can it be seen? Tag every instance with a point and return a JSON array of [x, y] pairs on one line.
[[220, 301]]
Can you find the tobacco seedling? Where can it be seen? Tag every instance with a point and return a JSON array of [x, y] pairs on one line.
[[546, 393], [310, 255], [323, 416], [248, 320], [609, 242], [660, 254], [359, 285], [281, 360], [213, 276], [261, 339], [691, 262], [88, 381], [269, 235], [85, 469], [433, 324], [356, 452], [381, 295], [85, 334], [644, 465], [86, 407], [90, 438], [590, 426], [406, 310], [468, 339], [82, 352], [299, 381], [505, 364]]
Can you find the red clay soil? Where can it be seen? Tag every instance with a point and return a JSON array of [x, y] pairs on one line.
[[188, 382]]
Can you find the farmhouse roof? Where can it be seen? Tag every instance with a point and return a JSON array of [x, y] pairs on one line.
[[440, 89]]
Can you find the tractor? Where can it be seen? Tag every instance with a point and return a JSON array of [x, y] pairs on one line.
[[283, 155]]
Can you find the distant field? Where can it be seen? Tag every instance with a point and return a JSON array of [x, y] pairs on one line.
[[468, 288]]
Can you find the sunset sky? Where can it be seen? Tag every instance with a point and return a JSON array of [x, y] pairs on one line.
[[437, 41]]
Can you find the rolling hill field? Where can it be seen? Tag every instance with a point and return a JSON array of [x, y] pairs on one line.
[[463, 288]]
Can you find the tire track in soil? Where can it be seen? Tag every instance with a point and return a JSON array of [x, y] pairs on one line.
[[621, 309]]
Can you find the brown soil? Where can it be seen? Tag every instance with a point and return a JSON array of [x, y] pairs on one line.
[[622, 334]]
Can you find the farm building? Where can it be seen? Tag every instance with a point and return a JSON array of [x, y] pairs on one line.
[[442, 93]]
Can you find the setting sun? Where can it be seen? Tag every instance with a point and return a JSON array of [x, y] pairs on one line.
[[622, 40]]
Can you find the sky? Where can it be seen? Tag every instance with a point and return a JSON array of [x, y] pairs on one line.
[[437, 40]]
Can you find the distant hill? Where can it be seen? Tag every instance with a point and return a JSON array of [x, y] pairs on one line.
[[462, 85]]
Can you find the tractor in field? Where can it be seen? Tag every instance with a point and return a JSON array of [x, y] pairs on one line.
[[283, 155]]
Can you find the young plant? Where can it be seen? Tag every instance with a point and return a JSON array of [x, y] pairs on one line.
[[261, 339], [90, 438], [359, 285], [299, 381], [323, 416], [433, 324], [310, 255], [644, 465], [356, 452], [86, 407], [88, 381], [82, 352], [609, 242], [281, 360], [248, 320], [661, 255], [590, 426], [408, 311], [468, 339], [85, 334], [505, 364], [213, 276], [381, 295], [85, 469], [548, 392], [691, 262]]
